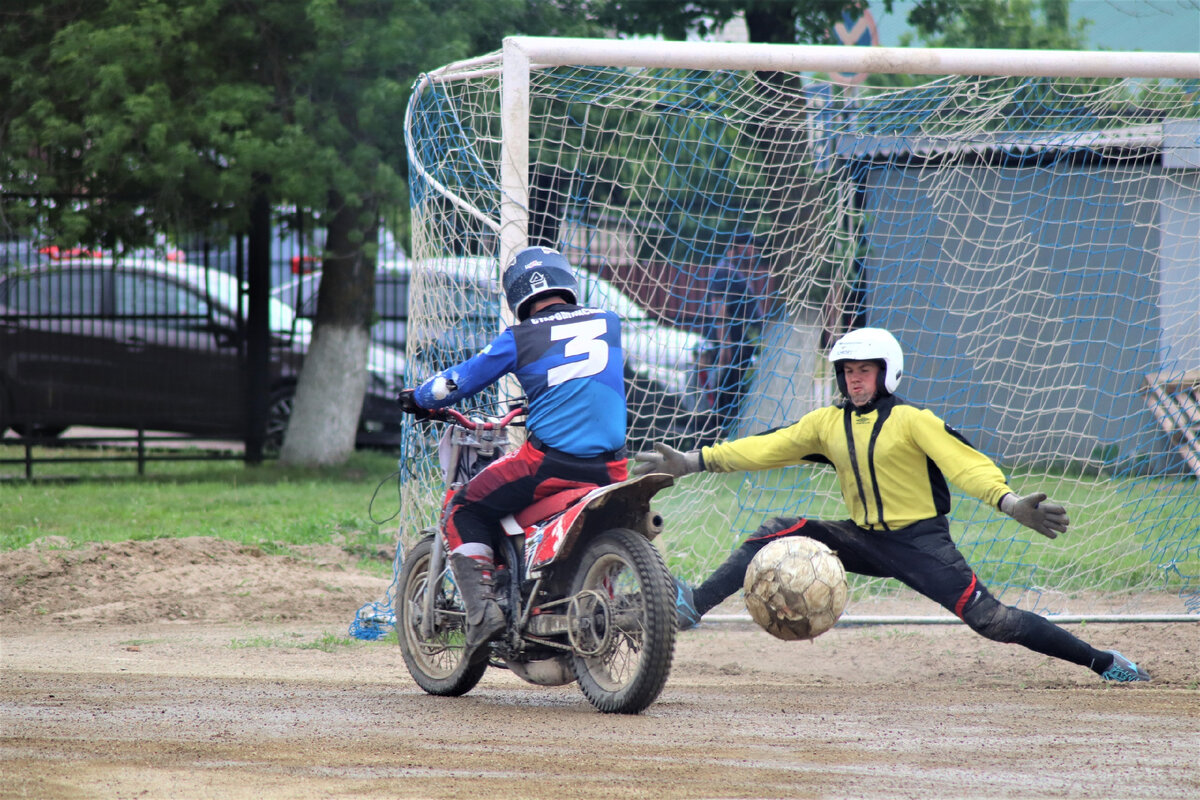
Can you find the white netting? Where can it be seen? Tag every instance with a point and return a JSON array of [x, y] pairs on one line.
[[1032, 242]]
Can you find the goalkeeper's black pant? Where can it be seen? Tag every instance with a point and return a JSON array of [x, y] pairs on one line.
[[923, 557]]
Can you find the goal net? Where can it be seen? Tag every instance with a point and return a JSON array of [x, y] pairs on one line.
[[1027, 225]]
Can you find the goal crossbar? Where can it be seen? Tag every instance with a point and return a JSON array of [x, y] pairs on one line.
[[835, 58]]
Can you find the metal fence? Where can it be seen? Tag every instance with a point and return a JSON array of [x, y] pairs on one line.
[[154, 355]]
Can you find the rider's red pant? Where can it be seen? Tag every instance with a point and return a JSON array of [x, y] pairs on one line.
[[518, 479]]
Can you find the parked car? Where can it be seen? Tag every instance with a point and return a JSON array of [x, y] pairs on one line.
[[154, 344], [664, 371]]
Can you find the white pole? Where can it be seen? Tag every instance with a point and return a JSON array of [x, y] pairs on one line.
[[514, 152], [514, 177], [835, 58]]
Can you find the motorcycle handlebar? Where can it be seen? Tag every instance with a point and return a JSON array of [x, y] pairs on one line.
[[458, 418]]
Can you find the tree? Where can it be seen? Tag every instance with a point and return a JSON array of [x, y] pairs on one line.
[[190, 109], [767, 21], [1006, 24], [1031, 24]]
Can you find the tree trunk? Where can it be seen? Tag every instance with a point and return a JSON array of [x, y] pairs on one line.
[[329, 395]]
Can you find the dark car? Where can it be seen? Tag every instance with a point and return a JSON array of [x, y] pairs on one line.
[[156, 345]]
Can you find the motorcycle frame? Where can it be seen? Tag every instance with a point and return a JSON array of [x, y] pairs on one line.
[[461, 436], [545, 542], [437, 558]]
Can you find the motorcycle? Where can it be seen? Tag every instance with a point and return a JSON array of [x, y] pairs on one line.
[[586, 596]]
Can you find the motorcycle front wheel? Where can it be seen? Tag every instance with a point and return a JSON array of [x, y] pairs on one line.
[[435, 662], [623, 622]]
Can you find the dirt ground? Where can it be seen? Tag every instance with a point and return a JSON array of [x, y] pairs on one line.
[[197, 668]]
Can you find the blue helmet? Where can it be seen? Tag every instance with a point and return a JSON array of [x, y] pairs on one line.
[[536, 271]]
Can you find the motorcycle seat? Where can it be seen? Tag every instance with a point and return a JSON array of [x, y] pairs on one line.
[[549, 506]]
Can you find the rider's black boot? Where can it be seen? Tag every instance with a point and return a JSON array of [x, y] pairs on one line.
[[485, 619]]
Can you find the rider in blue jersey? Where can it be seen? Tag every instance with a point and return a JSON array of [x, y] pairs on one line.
[[569, 362]]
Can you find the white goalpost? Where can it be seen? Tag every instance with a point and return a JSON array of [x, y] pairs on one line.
[[1027, 223]]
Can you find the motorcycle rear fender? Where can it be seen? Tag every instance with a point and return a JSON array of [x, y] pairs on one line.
[[618, 505]]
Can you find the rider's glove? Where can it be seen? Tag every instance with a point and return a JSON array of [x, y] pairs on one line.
[[408, 404], [669, 460], [1033, 511]]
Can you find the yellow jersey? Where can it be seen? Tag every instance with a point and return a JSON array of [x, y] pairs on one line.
[[892, 460]]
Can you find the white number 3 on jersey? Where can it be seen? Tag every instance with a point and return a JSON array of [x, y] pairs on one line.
[[583, 340]]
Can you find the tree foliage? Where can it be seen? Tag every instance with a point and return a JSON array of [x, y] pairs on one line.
[[767, 21], [1033, 24], [173, 110], [1005, 24]]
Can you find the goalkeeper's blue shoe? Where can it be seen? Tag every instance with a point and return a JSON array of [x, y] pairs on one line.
[[1123, 670], [686, 615]]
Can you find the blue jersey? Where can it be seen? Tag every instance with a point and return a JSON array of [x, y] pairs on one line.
[[570, 365]]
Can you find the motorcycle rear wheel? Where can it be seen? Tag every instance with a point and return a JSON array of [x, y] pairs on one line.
[[435, 663], [625, 641]]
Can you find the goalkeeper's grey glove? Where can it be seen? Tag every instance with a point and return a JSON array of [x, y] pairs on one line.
[[1033, 511], [669, 460]]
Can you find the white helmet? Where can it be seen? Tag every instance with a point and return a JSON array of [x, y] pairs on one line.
[[870, 344]]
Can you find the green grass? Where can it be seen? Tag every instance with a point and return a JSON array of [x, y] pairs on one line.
[[269, 506], [327, 642]]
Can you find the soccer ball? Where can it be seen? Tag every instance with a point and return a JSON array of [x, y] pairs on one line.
[[795, 588]]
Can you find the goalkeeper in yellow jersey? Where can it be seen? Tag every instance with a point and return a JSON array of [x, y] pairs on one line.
[[893, 461]]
